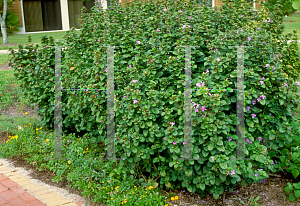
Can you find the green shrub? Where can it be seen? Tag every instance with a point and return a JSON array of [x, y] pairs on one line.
[[286, 6], [11, 23], [146, 109]]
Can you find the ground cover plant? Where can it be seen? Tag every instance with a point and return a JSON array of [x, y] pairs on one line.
[[216, 172]]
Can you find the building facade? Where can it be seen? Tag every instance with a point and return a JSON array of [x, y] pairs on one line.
[[61, 15]]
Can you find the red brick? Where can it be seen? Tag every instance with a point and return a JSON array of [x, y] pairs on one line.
[[2, 201], [3, 188], [8, 195], [7, 204], [27, 197], [2, 177], [17, 189], [36, 203], [8, 183], [18, 202]]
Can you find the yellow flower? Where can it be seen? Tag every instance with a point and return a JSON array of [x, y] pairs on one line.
[[36, 137], [7, 141], [117, 187], [72, 68], [51, 153], [50, 134], [111, 198], [172, 198], [30, 124], [108, 181], [40, 128], [69, 162], [125, 201], [47, 140], [37, 132], [82, 142], [112, 188], [37, 128], [87, 148], [132, 192], [25, 113], [166, 204], [176, 197], [102, 182], [150, 187]]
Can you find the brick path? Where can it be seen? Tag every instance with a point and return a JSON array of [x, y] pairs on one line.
[[17, 190]]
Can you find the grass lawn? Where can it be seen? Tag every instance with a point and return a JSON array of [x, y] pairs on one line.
[[290, 26], [36, 38]]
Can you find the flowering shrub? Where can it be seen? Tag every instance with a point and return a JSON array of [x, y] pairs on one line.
[[149, 87]]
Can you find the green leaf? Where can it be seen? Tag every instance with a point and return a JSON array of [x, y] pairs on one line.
[[281, 101], [263, 102], [297, 185], [292, 197], [244, 183], [202, 186], [216, 196], [179, 111], [223, 165], [297, 193], [210, 147], [188, 172], [168, 184], [149, 123], [145, 132], [163, 173], [295, 173], [250, 123]]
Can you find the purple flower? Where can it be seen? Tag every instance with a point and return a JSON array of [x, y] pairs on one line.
[[262, 96], [134, 81], [229, 139], [216, 49], [237, 32], [298, 83], [259, 169], [130, 66], [242, 15], [259, 138], [256, 175], [184, 26], [96, 74], [218, 59], [272, 163], [165, 9], [207, 71], [157, 30], [203, 109], [267, 65], [190, 17], [264, 181], [248, 107], [34, 104], [258, 99], [212, 158], [174, 143], [249, 38], [172, 123], [37, 108], [232, 172], [253, 115], [58, 126], [138, 42], [196, 110], [135, 101], [234, 192], [253, 102], [261, 82], [105, 69], [263, 78], [180, 11], [285, 84], [118, 125], [200, 84], [184, 143]]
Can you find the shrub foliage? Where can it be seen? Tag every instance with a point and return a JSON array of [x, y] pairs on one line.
[[149, 60]]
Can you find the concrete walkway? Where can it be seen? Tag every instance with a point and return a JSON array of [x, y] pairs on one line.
[[6, 51], [18, 189]]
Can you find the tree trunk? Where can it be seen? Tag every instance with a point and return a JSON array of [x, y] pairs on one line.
[[2, 21]]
